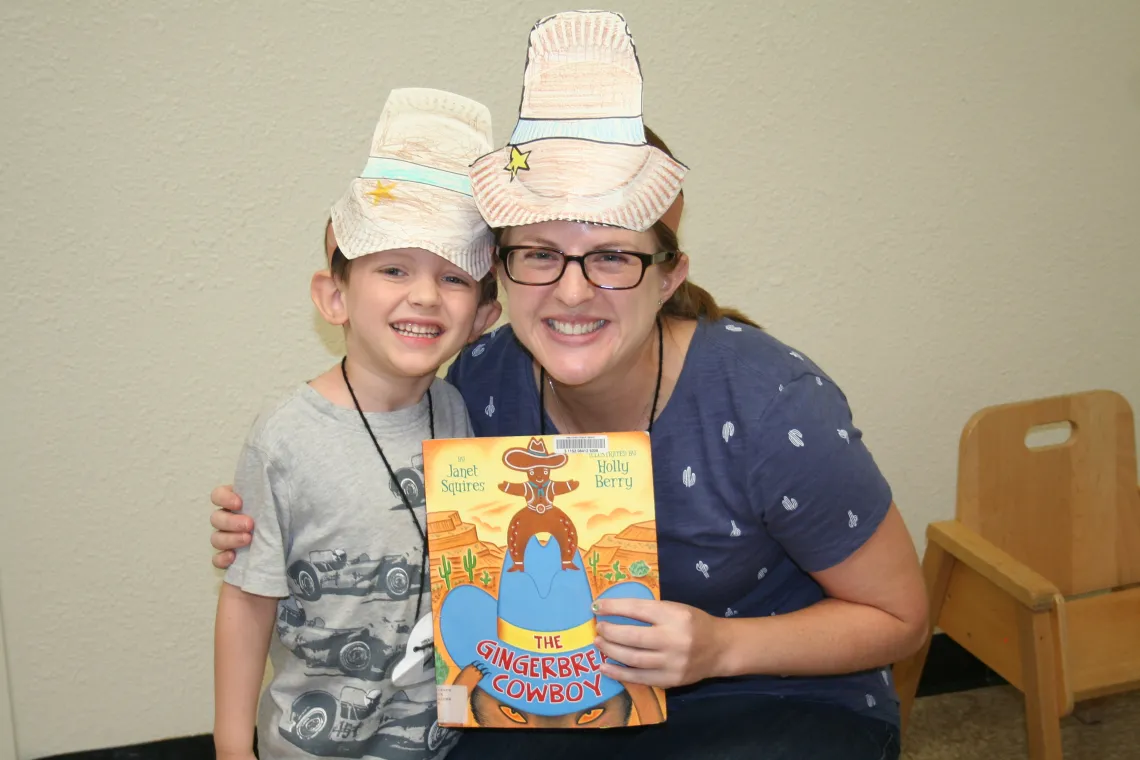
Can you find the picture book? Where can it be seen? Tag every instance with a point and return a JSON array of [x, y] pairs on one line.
[[524, 534]]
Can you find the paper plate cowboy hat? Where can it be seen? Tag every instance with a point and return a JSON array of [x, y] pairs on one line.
[[534, 455], [578, 151], [414, 191], [542, 600]]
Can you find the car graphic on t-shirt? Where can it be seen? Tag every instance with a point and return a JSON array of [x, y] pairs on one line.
[[410, 480], [330, 571], [355, 724], [353, 651]]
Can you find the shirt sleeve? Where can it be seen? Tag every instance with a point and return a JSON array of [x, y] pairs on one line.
[[458, 423], [455, 369], [466, 430], [260, 567], [814, 484]]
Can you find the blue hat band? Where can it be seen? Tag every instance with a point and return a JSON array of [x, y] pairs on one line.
[[629, 130], [394, 168]]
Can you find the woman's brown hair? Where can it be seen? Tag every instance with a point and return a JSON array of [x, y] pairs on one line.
[[689, 301]]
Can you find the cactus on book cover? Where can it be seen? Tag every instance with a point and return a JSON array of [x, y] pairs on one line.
[[469, 564], [445, 571]]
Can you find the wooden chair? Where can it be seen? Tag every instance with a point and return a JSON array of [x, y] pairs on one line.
[[1038, 574]]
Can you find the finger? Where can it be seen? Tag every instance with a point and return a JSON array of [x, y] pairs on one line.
[[222, 560], [645, 610], [636, 636], [631, 657], [224, 497], [227, 541], [636, 675], [230, 523]]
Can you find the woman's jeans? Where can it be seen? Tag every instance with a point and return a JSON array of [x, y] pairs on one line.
[[709, 728]]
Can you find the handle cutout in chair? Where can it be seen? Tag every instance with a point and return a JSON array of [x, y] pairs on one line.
[[1049, 435]]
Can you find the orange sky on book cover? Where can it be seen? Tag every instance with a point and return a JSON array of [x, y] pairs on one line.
[[595, 510]]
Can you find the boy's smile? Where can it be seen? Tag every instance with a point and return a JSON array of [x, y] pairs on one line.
[[419, 331], [408, 311]]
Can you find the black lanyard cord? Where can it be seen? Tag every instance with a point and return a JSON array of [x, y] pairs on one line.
[[395, 482]]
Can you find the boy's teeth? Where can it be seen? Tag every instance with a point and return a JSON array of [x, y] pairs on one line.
[[575, 328], [416, 331]]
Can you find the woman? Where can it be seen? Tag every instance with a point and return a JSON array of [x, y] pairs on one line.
[[788, 580]]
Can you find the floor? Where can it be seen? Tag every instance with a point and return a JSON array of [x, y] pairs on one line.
[[989, 723]]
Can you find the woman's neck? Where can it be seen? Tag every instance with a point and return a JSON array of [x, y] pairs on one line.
[[623, 398]]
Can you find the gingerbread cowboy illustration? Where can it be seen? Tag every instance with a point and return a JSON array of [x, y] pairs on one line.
[[540, 515]]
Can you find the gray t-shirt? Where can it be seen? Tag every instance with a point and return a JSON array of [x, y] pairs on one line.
[[335, 541]]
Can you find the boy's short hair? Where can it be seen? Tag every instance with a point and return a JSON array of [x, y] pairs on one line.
[[339, 267]]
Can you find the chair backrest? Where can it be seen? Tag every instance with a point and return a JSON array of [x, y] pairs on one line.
[[1071, 510]]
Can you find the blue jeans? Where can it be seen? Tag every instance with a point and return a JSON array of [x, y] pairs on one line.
[[710, 728]]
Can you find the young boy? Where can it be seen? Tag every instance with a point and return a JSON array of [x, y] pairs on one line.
[[333, 474]]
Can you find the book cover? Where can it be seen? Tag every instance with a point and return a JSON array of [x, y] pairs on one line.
[[524, 534]]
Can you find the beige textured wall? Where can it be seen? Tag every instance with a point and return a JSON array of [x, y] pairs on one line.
[[940, 202], [7, 732]]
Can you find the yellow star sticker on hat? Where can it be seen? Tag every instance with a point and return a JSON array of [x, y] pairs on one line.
[[380, 192], [517, 162]]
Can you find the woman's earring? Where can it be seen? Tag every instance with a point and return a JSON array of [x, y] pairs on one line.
[[659, 301]]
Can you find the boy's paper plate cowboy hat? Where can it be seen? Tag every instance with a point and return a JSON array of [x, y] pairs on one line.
[[578, 151], [545, 601], [414, 191], [534, 455]]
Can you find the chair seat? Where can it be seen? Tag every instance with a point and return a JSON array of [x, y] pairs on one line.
[[1103, 646]]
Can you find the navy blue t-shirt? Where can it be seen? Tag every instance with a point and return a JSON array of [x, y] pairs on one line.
[[760, 477]]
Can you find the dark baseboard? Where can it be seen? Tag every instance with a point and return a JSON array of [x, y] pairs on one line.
[[949, 668], [199, 747]]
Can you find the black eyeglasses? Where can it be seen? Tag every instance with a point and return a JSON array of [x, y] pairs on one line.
[[609, 270]]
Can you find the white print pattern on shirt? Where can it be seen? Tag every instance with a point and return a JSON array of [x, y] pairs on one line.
[[796, 437], [843, 434], [886, 677], [870, 700], [702, 568], [760, 575], [797, 354], [790, 504], [727, 431], [735, 530], [489, 409], [819, 381], [781, 387], [688, 477], [733, 328], [479, 349], [730, 612], [852, 519]]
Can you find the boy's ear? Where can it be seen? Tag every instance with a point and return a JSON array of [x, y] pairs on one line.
[[485, 316], [328, 298]]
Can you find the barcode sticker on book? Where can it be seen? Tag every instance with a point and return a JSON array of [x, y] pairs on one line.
[[581, 444], [451, 704]]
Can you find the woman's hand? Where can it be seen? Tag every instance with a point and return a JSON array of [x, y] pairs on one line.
[[681, 644], [230, 531]]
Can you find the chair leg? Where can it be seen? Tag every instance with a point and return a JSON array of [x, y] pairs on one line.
[[936, 567], [1039, 672]]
